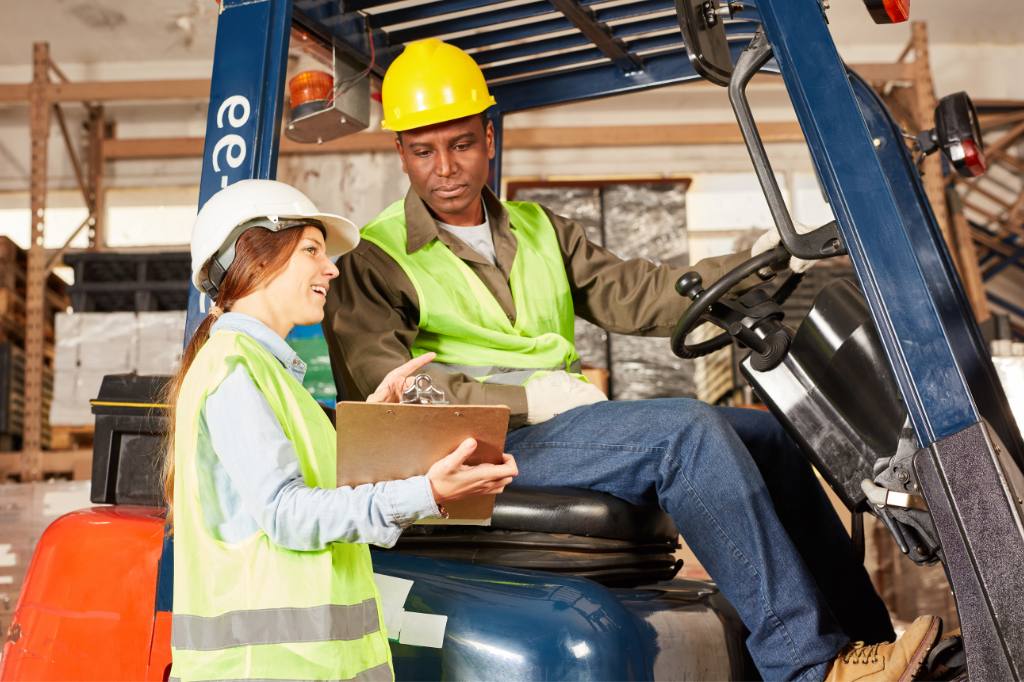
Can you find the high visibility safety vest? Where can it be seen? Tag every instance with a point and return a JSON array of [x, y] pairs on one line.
[[252, 609], [464, 324]]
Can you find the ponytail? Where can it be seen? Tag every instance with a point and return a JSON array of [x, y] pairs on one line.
[[259, 255], [170, 398]]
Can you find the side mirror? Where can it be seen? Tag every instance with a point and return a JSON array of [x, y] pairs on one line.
[[957, 133], [702, 23]]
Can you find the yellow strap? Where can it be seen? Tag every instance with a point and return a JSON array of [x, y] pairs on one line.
[[105, 403]]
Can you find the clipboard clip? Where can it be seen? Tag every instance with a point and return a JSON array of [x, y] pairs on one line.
[[423, 392]]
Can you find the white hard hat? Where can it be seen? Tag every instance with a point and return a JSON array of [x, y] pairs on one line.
[[264, 203]]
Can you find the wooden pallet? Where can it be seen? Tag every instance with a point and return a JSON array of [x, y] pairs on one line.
[[13, 282], [15, 333], [71, 437], [13, 410], [12, 305], [74, 465], [12, 315], [13, 264]]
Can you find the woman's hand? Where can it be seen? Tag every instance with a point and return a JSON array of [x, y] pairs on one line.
[[398, 379], [452, 479]]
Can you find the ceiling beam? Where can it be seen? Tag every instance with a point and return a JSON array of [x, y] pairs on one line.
[[598, 34], [14, 93], [98, 91], [199, 88], [110, 91], [514, 138]]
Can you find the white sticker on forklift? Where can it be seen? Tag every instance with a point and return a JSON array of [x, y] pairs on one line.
[[423, 629], [393, 593]]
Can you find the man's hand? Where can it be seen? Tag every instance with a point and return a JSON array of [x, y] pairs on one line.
[[768, 240], [452, 479], [399, 379], [558, 392]]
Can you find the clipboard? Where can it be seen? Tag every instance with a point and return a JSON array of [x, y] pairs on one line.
[[386, 441]]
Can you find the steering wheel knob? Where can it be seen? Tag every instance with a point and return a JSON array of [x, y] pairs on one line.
[[690, 285]]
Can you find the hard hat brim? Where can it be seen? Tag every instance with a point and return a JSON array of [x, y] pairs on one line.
[[341, 236], [429, 117]]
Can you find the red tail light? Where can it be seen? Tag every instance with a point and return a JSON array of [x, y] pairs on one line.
[[973, 159], [888, 11]]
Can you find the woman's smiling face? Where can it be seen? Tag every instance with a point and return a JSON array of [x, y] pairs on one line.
[[297, 293]]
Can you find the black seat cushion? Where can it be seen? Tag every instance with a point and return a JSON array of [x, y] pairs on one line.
[[560, 530], [580, 512]]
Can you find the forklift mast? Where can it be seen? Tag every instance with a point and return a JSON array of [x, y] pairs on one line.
[[971, 451]]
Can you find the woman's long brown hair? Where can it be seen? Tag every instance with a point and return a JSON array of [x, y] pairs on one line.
[[259, 255]]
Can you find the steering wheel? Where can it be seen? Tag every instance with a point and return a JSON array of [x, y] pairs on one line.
[[733, 310]]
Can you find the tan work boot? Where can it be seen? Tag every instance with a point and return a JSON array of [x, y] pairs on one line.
[[895, 661]]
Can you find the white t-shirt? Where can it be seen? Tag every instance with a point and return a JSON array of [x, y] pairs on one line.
[[476, 237]]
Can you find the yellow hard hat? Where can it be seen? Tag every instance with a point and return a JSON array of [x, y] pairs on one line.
[[432, 82]]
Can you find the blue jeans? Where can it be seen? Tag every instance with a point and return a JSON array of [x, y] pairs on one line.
[[747, 503]]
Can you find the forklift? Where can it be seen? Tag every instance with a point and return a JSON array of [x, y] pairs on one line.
[[887, 385]]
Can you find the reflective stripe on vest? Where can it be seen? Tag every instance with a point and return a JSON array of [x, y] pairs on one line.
[[382, 673], [275, 626], [252, 609], [514, 376], [459, 317]]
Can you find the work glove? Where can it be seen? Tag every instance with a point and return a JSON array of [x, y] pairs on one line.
[[557, 392], [769, 240]]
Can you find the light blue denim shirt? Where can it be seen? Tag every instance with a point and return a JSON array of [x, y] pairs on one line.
[[254, 471]]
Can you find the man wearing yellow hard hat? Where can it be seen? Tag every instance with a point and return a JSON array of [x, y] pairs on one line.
[[492, 287]]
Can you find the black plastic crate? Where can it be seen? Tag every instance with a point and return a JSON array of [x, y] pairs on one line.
[[12, 369], [126, 282], [128, 447]]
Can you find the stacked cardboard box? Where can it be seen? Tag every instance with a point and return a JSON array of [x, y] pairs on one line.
[[159, 341], [1008, 357], [92, 345]]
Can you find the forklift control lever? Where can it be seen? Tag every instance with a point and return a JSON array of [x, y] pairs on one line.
[[753, 318]]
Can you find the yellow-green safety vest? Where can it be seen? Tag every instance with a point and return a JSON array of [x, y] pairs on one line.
[[252, 609], [459, 318]]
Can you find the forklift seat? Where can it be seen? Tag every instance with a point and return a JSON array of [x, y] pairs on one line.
[[560, 530], [580, 512]]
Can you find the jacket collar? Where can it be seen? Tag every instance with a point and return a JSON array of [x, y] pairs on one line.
[[266, 337], [421, 229]]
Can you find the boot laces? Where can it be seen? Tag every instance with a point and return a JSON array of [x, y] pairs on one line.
[[861, 653]]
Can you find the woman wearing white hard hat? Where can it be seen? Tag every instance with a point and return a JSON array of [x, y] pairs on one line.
[[272, 574]]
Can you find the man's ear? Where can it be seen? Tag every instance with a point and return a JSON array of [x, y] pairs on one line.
[[401, 152], [489, 135]]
